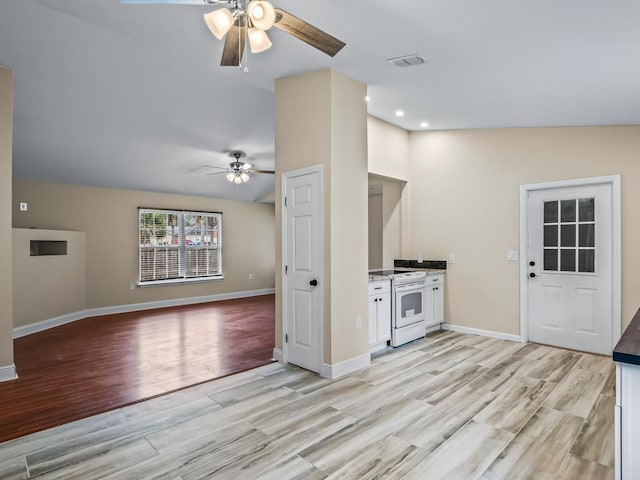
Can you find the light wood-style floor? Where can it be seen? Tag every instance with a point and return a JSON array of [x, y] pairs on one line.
[[449, 407]]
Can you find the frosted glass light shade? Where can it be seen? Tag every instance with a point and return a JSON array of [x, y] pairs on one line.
[[262, 14], [219, 22], [237, 179], [231, 176], [258, 40], [244, 177]]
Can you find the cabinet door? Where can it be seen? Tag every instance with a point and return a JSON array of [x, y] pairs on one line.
[[438, 305], [373, 315], [384, 318], [428, 305]]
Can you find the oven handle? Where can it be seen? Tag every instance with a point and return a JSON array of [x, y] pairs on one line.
[[410, 286]]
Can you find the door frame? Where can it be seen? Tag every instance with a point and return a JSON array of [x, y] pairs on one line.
[[616, 272], [285, 177]]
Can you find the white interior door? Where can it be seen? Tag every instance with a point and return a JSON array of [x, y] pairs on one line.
[[303, 286], [570, 267]]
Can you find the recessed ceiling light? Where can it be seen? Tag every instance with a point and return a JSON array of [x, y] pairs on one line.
[[367, 98], [424, 124], [399, 113]]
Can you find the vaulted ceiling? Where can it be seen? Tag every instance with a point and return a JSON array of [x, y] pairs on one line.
[[132, 96]]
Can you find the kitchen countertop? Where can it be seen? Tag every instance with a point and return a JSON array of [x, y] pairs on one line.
[[428, 271], [628, 348]]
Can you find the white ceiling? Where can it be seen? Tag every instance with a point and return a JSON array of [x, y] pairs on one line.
[[132, 96]]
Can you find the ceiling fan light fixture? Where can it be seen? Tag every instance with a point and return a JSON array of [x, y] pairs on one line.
[[258, 40], [262, 14], [231, 176], [244, 177], [219, 22], [237, 180]]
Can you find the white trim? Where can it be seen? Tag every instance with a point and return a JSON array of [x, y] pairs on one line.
[[614, 181], [8, 373], [348, 366], [484, 333], [283, 185], [133, 307], [277, 355]]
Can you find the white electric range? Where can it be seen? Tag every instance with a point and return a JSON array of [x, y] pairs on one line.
[[407, 304]]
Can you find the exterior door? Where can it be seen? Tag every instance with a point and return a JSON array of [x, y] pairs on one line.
[[303, 287], [570, 267]]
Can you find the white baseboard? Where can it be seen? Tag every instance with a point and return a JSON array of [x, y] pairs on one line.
[[277, 355], [484, 333], [348, 366], [133, 307], [8, 373]]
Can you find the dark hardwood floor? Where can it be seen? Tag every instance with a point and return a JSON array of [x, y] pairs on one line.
[[101, 363]]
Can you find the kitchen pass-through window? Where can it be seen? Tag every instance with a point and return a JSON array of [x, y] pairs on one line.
[[179, 246]]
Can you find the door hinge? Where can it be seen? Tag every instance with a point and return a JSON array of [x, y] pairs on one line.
[[285, 201], [286, 338], [286, 269]]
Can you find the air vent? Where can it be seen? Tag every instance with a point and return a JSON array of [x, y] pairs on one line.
[[406, 61]]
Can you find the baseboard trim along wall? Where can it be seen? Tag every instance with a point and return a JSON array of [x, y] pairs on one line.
[[133, 307], [277, 355], [348, 366], [484, 333], [8, 373]]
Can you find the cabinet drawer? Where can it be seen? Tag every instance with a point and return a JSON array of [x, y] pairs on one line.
[[376, 288], [435, 279]]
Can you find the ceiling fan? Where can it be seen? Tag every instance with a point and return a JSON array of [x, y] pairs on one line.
[[238, 171], [251, 19]]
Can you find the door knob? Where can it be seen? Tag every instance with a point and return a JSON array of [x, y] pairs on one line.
[[313, 283], [532, 275], [532, 263]]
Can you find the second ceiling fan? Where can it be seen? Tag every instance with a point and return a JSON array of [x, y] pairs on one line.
[[244, 19]]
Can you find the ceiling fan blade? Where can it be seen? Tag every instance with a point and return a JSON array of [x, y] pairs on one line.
[[263, 171], [219, 173], [219, 168], [234, 46], [307, 33]]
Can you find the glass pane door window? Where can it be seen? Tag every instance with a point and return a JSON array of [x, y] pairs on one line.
[[569, 236]]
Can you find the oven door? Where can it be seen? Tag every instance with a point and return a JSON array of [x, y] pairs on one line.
[[410, 300]]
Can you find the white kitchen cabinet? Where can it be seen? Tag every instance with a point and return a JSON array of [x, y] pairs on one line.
[[627, 416], [379, 314], [434, 301]]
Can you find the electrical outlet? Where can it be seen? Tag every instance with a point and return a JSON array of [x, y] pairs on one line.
[[132, 286], [251, 276], [512, 255], [23, 206], [420, 258], [358, 322], [452, 258]]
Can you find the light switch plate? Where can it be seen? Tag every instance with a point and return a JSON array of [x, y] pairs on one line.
[[512, 255], [23, 206], [452, 258]]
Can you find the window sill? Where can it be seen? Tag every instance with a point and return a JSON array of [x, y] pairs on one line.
[[179, 281]]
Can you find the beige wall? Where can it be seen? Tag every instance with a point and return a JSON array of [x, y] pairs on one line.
[[375, 231], [388, 149], [392, 221], [330, 131], [47, 286], [109, 217], [467, 203], [6, 152]]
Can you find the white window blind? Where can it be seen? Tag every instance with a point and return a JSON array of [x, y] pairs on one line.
[[177, 245]]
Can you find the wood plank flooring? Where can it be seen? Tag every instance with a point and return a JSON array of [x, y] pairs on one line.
[[101, 363], [437, 408]]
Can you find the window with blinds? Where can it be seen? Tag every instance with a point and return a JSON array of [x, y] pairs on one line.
[[177, 245]]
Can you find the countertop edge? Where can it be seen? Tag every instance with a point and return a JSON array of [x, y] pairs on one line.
[[628, 348]]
